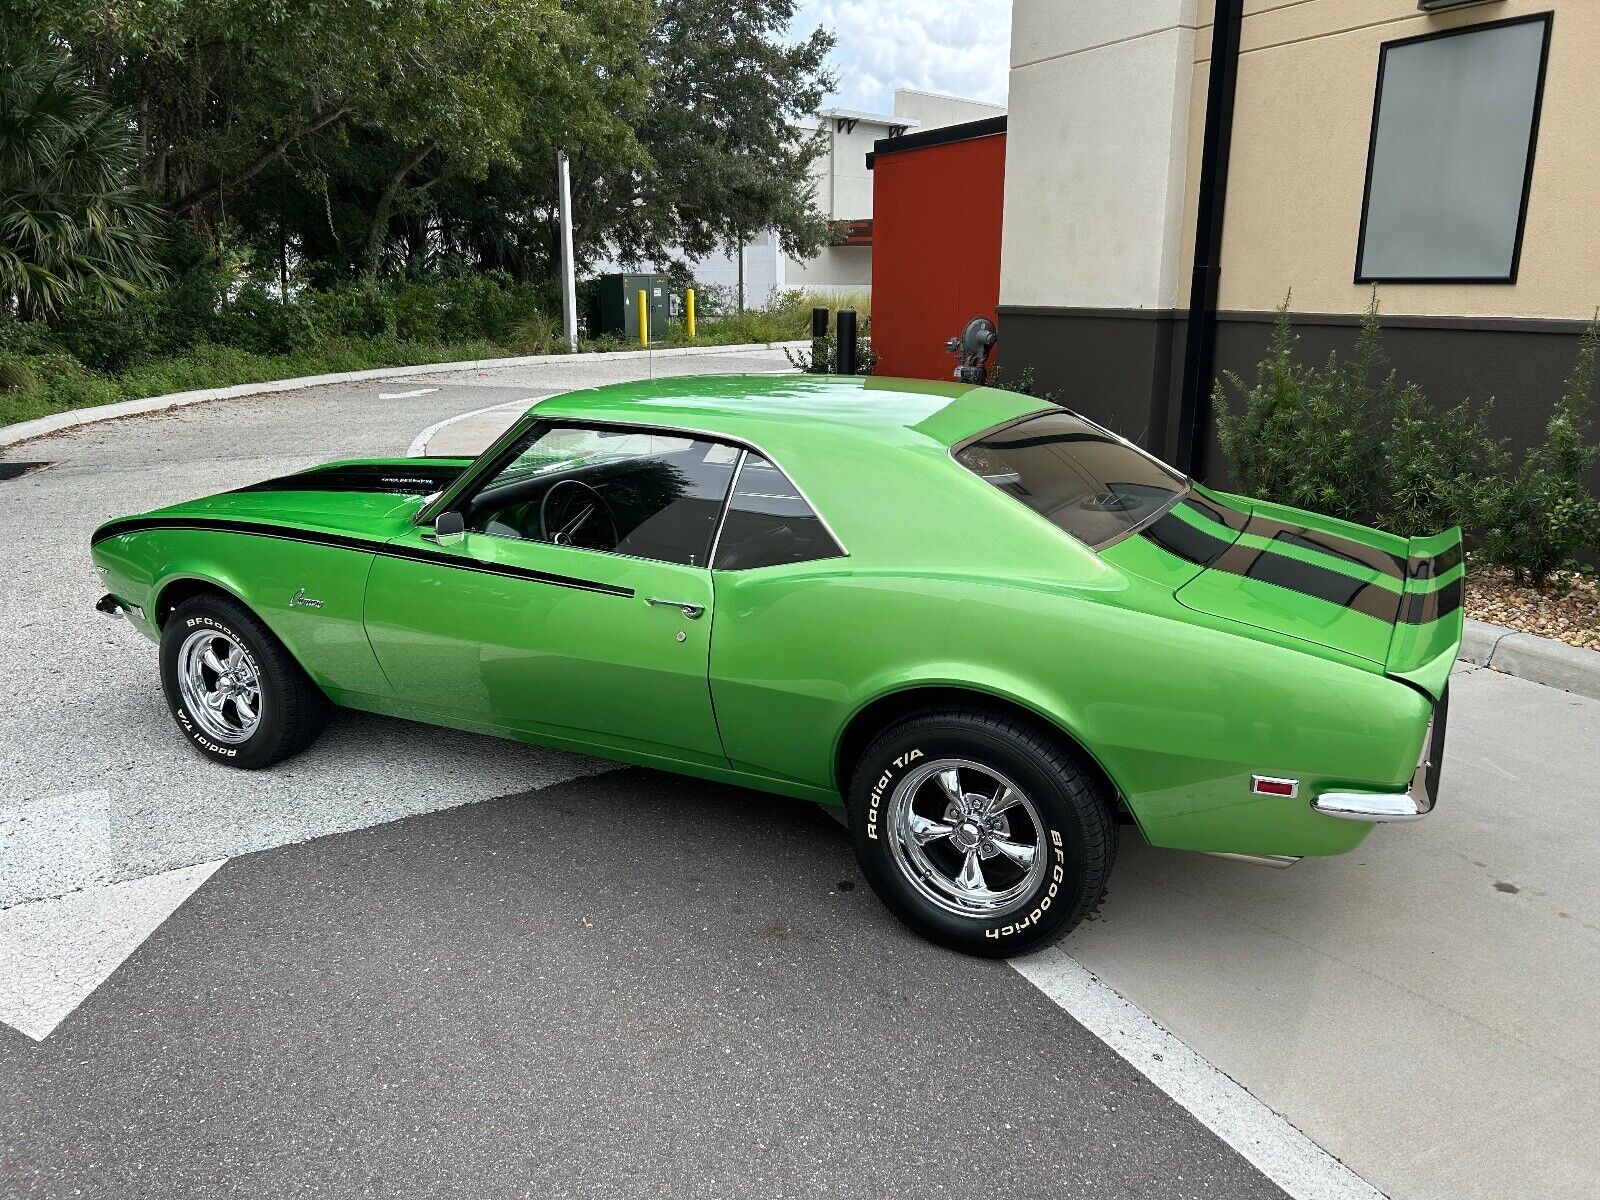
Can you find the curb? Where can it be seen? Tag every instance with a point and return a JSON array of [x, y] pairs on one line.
[[1536, 659], [26, 431]]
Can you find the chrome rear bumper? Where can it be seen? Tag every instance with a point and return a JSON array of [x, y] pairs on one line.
[[1410, 805]]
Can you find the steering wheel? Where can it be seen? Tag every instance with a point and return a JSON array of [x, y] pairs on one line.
[[563, 522]]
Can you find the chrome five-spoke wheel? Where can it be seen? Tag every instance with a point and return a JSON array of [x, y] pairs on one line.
[[966, 837], [219, 685]]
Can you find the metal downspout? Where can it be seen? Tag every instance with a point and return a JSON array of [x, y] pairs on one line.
[[1200, 342]]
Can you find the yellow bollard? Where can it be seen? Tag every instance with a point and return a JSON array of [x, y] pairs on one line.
[[688, 311], [644, 318]]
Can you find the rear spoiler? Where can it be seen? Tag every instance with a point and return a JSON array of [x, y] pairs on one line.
[[1427, 640]]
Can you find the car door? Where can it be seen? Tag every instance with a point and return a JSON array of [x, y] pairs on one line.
[[576, 605]]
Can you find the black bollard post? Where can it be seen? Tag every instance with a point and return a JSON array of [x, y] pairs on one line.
[[819, 341], [846, 334]]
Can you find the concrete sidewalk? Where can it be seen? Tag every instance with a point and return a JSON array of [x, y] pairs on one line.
[[1425, 1007]]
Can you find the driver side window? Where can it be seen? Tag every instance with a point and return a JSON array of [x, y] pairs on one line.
[[635, 492]]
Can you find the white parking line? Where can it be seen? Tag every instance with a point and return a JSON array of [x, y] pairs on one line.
[[419, 444], [57, 952], [1270, 1143], [406, 395]]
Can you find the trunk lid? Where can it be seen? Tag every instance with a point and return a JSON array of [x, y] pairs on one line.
[[1391, 601]]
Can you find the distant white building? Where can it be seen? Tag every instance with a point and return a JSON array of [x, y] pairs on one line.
[[842, 188]]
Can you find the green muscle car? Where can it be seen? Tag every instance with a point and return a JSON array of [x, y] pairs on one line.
[[990, 628]]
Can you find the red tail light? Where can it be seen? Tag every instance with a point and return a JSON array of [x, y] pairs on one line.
[[1264, 785]]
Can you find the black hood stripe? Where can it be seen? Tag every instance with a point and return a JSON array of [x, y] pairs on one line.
[[422, 478], [315, 537]]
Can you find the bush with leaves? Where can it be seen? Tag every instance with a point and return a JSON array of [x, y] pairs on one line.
[[1543, 517], [1352, 440]]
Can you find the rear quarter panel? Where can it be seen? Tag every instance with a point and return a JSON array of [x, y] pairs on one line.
[[956, 584]]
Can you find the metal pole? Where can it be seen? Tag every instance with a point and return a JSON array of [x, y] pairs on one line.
[[644, 318], [569, 281], [688, 311], [1200, 339]]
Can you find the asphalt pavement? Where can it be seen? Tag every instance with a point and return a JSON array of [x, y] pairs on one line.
[[418, 962], [625, 985]]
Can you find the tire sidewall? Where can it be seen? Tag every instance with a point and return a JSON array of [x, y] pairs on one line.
[[201, 615], [1059, 899]]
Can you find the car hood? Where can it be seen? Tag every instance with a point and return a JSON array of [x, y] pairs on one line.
[[366, 498], [1392, 601]]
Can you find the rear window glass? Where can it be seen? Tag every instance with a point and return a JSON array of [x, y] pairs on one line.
[[1075, 475], [769, 522]]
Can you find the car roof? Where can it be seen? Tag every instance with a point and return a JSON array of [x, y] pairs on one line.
[[788, 413]]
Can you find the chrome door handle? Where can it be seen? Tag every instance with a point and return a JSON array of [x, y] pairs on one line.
[[693, 611]]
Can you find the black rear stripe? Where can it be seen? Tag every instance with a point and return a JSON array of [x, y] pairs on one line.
[[315, 537], [1308, 579], [1391, 565], [1205, 549], [1177, 536], [1422, 607], [1432, 568]]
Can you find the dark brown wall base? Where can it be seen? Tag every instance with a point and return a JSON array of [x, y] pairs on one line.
[[1123, 367]]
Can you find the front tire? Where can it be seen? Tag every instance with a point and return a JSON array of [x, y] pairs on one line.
[[981, 832], [234, 691]]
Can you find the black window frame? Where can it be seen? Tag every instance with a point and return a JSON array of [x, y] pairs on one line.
[[1548, 20], [533, 426]]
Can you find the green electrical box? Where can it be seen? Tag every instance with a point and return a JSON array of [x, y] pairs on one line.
[[615, 308]]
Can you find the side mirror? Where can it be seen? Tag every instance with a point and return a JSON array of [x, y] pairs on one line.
[[450, 529]]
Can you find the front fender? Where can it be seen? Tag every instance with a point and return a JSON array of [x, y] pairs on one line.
[[265, 574]]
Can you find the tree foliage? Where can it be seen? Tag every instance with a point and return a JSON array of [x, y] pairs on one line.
[[321, 140], [74, 224]]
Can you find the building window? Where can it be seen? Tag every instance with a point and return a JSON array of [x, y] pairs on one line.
[[1453, 133]]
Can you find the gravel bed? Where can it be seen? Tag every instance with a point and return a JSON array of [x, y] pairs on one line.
[[1567, 609]]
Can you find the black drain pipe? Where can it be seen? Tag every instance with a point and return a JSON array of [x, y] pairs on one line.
[[1200, 343]]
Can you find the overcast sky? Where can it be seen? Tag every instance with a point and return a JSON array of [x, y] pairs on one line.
[[960, 47]]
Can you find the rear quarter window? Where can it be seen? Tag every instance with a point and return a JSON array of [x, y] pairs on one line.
[[769, 522], [1074, 474]]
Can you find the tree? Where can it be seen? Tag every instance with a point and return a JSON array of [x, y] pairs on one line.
[[74, 225], [728, 132], [225, 90]]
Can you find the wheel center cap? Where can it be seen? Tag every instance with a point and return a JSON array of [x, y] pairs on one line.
[[968, 835]]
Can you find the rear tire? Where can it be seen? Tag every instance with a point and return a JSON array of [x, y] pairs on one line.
[[981, 832], [236, 694]]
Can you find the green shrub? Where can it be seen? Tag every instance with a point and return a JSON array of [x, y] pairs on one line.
[[1351, 440], [538, 333], [1544, 516], [16, 375]]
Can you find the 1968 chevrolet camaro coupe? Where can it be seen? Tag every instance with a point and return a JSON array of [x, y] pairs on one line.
[[989, 627]]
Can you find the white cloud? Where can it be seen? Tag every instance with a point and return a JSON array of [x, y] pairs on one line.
[[960, 47]]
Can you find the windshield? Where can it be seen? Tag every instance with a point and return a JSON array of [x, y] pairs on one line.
[[1076, 475]]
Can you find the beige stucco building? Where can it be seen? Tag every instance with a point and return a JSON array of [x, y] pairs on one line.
[[1259, 134]]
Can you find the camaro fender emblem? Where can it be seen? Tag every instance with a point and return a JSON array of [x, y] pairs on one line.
[[301, 600]]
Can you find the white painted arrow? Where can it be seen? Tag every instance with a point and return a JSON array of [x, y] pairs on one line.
[[55, 953], [405, 395]]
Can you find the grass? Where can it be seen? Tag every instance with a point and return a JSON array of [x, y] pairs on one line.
[[38, 385]]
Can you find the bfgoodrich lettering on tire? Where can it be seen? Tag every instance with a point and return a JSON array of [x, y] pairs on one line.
[[234, 691], [980, 832]]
